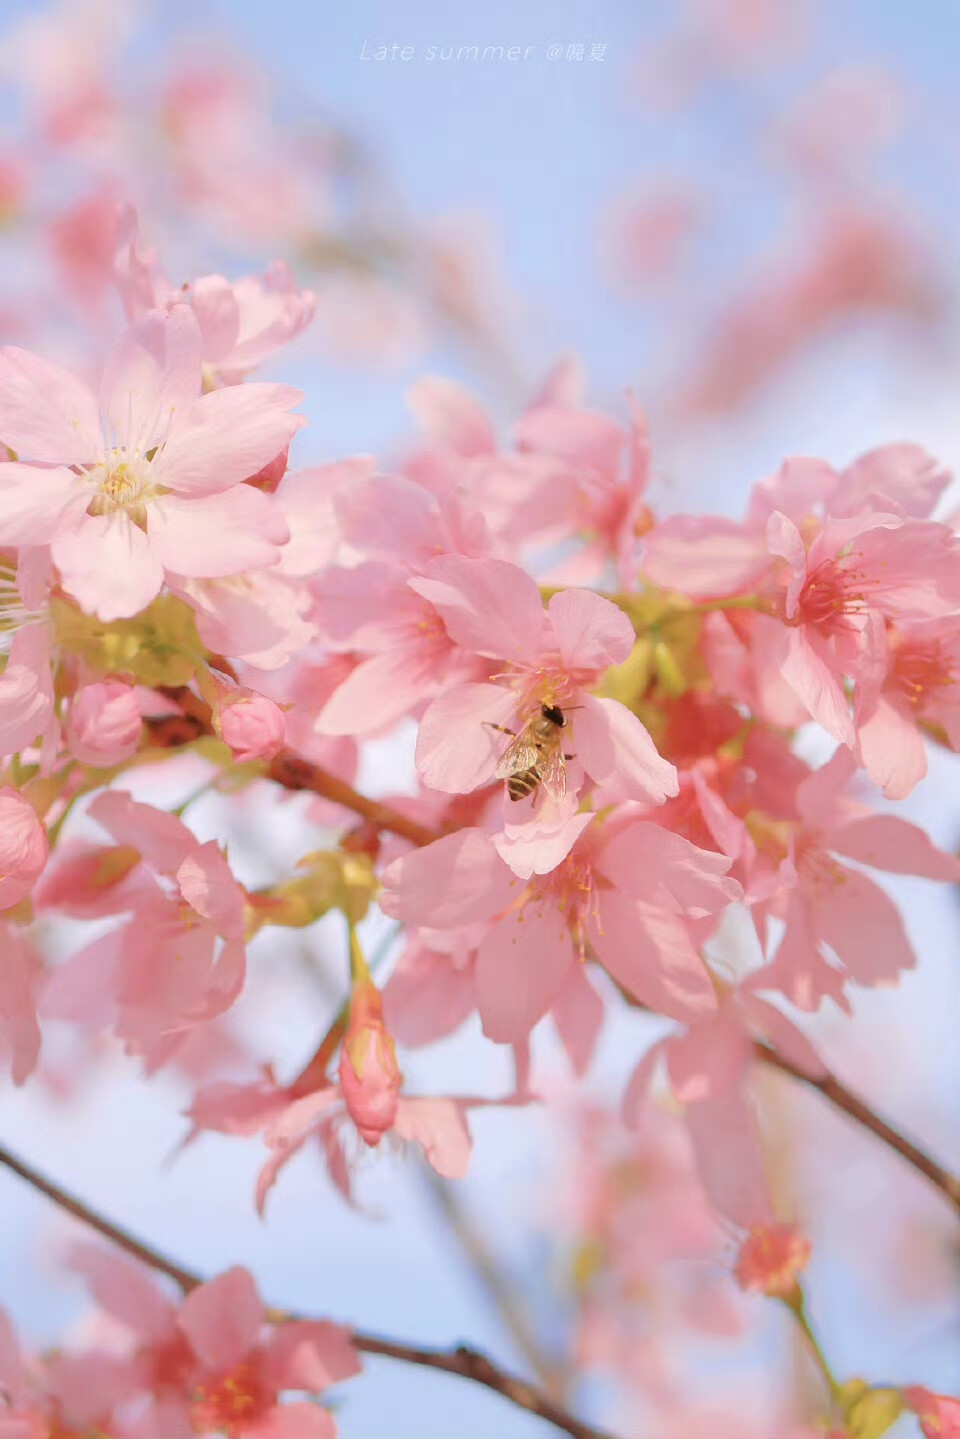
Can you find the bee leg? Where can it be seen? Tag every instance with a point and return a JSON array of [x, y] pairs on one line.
[[569, 756], [502, 728]]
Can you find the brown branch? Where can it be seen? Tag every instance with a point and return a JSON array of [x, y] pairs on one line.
[[463, 1361], [844, 1099], [287, 769]]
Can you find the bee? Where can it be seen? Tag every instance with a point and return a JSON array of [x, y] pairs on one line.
[[535, 756]]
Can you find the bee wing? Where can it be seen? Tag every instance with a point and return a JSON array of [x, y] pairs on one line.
[[554, 778], [518, 756]]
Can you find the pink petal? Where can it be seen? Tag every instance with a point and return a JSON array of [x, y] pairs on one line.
[[46, 414], [784, 1035], [726, 1144], [226, 436], [651, 954], [451, 416], [123, 1289], [586, 438], [391, 518], [578, 1014], [811, 672], [82, 988], [207, 884], [893, 750], [704, 556], [591, 632], [428, 995], [439, 1126], [488, 606], [152, 374], [784, 539], [36, 504], [618, 753], [222, 1319], [307, 498], [457, 750], [300, 1420], [710, 1060], [664, 869], [456, 880], [899, 476], [380, 691], [893, 844], [108, 566], [310, 1355], [216, 535], [637, 1093], [537, 847], [163, 840], [864, 927], [521, 964], [799, 486]]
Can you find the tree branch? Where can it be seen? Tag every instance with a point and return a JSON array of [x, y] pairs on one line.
[[287, 769], [844, 1099], [463, 1361]]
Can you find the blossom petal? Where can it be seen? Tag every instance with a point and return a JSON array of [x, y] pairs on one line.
[[46, 413], [618, 753], [521, 965], [216, 535], [456, 880], [227, 436], [652, 955], [152, 373], [439, 1126], [457, 750], [888, 842], [222, 1319], [451, 416], [35, 504], [491, 607], [654, 864], [108, 565], [815, 680], [591, 632]]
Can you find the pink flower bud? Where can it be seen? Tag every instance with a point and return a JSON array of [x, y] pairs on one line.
[[369, 1076], [23, 847], [770, 1258], [939, 1416], [104, 726], [252, 725]]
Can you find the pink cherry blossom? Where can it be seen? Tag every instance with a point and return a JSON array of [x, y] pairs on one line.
[[289, 1118], [623, 896], [155, 484], [551, 657], [178, 958]]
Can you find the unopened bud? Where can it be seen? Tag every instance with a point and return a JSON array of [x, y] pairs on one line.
[[252, 725], [370, 1078], [104, 724]]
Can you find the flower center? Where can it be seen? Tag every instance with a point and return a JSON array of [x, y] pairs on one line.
[[229, 1403], [123, 483], [828, 599], [13, 615], [921, 668]]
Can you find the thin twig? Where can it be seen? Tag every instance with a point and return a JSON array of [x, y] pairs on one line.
[[844, 1099], [462, 1360]]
